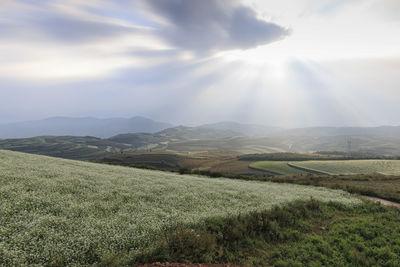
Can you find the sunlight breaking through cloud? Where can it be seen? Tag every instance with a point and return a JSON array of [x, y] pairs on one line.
[[202, 60]]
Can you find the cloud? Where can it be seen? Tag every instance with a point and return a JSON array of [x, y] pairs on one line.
[[213, 25], [70, 29], [387, 9], [332, 6], [57, 40], [56, 24]]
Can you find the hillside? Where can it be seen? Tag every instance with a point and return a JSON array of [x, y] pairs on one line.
[[62, 126], [64, 212], [69, 147], [180, 134], [183, 139]]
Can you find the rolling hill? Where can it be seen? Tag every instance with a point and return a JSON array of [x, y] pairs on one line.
[[88, 147], [69, 147], [65, 126], [178, 135], [228, 137]]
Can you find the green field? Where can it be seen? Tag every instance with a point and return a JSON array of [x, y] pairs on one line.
[[386, 167], [276, 167], [71, 212]]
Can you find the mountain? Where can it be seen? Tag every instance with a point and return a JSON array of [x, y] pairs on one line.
[[62, 126], [243, 129], [175, 134]]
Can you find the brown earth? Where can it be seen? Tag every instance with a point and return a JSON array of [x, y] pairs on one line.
[[384, 202], [222, 162]]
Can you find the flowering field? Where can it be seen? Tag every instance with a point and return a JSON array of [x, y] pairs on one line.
[[386, 167], [54, 210]]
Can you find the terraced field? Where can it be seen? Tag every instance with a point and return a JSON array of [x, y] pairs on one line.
[[386, 167], [63, 212], [276, 167]]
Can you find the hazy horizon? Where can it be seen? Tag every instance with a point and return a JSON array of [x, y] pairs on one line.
[[197, 124], [277, 63]]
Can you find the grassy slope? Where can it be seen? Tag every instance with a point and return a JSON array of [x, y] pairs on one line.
[[386, 167], [70, 212], [278, 167]]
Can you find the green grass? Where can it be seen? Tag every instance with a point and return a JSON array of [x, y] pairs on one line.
[[386, 167], [276, 167], [300, 234], [63, 212]]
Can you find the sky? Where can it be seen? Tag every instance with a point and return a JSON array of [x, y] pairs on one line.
[[280, 63]]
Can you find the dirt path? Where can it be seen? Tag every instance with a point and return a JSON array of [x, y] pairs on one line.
[[384, 202]]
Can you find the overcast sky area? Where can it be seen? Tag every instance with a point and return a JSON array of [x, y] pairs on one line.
[[280, 63]]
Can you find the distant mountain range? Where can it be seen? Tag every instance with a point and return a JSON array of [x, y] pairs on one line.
[[87, 138], [63, 126], [106, 128]]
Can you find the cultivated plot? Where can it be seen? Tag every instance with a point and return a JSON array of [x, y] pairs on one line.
[[386, 167]]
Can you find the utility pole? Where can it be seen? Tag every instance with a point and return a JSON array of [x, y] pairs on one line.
[[349, 145]]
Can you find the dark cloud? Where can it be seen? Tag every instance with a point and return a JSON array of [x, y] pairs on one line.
[[202, 26], [213, 25]]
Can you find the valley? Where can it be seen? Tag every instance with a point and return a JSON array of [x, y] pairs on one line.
[[146, 197]]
